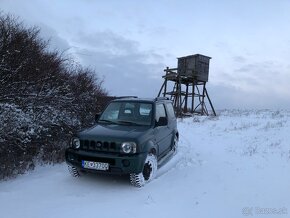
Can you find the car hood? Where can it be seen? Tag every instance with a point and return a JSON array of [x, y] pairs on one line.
[[114, 132]]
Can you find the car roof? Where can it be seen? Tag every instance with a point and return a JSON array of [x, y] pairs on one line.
[[136, 99]]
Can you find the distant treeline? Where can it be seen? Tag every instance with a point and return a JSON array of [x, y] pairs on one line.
[[44, 98]]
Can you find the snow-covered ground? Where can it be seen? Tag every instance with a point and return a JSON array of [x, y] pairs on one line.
[[234, 165]]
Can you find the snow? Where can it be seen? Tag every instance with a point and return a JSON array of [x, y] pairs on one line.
[[233, 165]]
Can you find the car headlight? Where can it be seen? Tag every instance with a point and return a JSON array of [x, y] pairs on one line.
[[76, 143], [128, 147]]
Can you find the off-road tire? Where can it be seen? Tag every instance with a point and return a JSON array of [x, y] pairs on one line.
[[148, 173], [73, 171]]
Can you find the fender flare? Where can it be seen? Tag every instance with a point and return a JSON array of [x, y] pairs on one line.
[[151, 146]]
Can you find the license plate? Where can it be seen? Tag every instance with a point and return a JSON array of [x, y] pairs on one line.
[[95, 165]]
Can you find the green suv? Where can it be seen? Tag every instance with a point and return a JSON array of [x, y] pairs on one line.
[[132, 136]]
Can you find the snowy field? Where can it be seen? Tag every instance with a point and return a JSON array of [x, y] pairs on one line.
[[234, 165]]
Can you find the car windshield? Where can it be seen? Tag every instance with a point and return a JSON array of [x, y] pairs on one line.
[[127, 113]]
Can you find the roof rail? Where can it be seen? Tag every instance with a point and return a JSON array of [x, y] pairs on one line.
[[161, 98], [127, 97]]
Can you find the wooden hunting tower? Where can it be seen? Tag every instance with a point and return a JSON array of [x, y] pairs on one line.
[[188, 85]]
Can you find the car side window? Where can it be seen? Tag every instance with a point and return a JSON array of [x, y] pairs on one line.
[[170, 110], [160, 111]]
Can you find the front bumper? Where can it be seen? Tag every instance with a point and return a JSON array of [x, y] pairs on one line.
[[118, 163]]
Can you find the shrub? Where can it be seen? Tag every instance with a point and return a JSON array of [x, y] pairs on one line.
[[44, 99]]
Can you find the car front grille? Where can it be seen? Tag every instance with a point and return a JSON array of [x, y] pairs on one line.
[[91, 145]]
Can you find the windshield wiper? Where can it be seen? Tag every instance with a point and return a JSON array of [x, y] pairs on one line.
[[128, 122], [107, 121]]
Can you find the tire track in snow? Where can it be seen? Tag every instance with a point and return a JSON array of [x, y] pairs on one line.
[[182, 159]]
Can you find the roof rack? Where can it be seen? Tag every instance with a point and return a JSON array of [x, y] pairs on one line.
[[161, 98], [127, 97]]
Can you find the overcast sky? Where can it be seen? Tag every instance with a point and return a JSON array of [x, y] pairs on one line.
[[129, 43]]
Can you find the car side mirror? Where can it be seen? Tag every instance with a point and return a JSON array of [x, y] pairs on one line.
[[162, 121], [97, 116]]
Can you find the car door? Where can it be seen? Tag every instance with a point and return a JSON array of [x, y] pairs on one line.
[[162, 133]]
